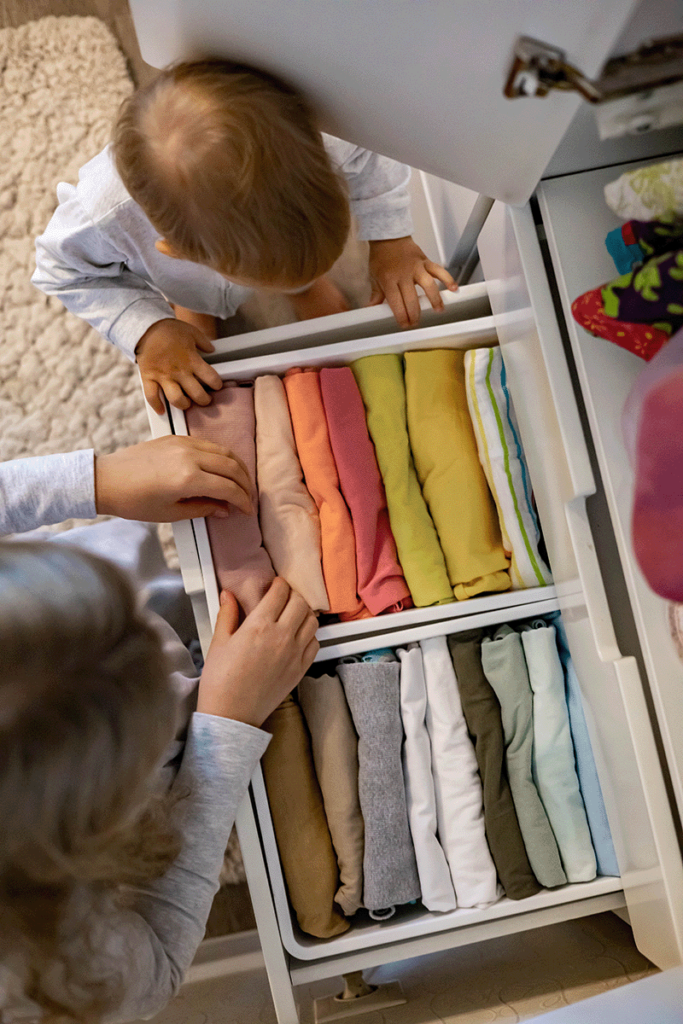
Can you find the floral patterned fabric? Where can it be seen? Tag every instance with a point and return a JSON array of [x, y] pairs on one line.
[[641, 339]]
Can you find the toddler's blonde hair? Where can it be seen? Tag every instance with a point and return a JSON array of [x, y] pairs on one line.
[[230, 167], [86, 712]]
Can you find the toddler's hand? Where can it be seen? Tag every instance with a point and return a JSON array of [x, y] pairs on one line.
[[171, 478], [249, 670], [170, 363], [397, 265]]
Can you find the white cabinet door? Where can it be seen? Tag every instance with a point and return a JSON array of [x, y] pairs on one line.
[[419, 81]]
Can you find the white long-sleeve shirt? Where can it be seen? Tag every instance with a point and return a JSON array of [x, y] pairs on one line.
[[98, 252], [151, 942]]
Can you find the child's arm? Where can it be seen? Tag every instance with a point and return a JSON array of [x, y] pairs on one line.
[[77, 261], [164, 480], [248, 672], [380, 201]]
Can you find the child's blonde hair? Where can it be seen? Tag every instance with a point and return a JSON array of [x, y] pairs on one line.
[[86, 712], [229, 165]]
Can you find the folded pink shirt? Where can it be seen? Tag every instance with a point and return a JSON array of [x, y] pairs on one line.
[[381, 583], [241, 562]]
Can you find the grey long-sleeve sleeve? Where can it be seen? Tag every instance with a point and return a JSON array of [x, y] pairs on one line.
[[46, 489], [154, 940]]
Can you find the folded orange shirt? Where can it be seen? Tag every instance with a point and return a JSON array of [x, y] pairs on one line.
[[321, 477]]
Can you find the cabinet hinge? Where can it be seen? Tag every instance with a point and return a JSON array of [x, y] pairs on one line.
[[638, 91]]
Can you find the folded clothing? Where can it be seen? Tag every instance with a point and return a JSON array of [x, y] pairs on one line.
[[651, 294], [322, 480], [642, 340], [303, 837], [335, 756], [502, 457], [241, 562], [504, 666], [589, 781], [637, 240], [381, 384], [457, 785], [648, 192], [389, 868], [553, 755], [432, 867], [482, 714], [448, 468], [381, 583], [289, 519]]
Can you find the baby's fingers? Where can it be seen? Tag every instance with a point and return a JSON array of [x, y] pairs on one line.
[[429, 286], [175, 394], [153, 395], [206, 373], [193, 389], [411, 301], [441, 274]]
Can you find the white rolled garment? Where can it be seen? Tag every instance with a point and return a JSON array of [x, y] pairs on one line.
[[432, 866], [553, 762], [457, 785]]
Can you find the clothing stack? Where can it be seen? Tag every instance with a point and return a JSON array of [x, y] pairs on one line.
[[453, 771], [643, 307], [393, 482]]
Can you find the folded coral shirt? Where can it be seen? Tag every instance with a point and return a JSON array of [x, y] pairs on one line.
[[321, 477], [381, 583], [380, 380], [241, 562], [448, 468], [290, 523]]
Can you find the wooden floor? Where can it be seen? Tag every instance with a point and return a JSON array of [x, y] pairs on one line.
[[232, 911]]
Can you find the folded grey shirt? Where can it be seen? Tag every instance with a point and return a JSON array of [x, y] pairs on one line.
[[152, 942], [98, 252]]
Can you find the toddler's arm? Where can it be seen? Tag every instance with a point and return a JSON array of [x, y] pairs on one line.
[[77, 262], [380, 201]]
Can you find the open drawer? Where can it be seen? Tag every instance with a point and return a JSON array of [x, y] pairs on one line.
[[622, 738], [415, 922], [613, 694]]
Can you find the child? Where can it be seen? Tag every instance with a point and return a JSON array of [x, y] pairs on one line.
[[107, 872], [219, 181]]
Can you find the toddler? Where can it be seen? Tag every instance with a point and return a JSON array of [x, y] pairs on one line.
[[218, 181]]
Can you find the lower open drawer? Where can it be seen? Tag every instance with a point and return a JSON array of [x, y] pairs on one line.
[[411, 922]]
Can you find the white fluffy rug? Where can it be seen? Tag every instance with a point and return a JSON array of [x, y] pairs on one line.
[[61, 386]]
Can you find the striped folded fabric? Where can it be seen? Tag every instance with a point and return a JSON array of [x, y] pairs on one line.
[[502, 457]]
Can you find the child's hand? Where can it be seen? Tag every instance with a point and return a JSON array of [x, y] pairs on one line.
[[397, 265], [171, 478], [170, 363], [249, 670]]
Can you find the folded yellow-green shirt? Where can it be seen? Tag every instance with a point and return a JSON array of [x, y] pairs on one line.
[[380, 380], [453, 483]]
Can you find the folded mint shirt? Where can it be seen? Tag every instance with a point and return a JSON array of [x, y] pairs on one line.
[[553, 760]]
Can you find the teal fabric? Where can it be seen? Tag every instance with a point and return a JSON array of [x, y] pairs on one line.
[[504, 666], [589, 780], [553, 763]]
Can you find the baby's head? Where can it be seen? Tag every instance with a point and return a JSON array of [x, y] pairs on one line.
[[230, 167], [86, 712]]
